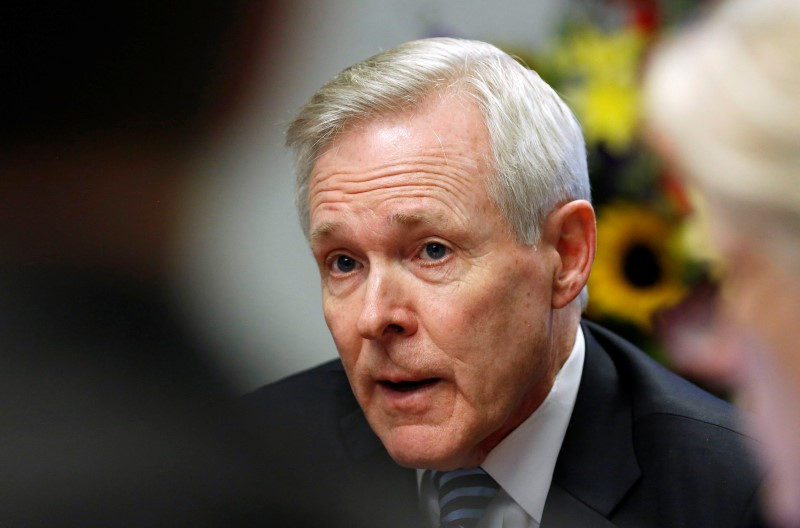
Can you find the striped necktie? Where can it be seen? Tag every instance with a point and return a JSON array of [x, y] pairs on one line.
[[463, 496]]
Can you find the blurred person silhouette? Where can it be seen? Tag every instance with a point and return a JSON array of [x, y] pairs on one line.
[[723, 101], [111, 414]]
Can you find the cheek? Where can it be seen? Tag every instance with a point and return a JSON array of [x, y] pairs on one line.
[[766, 300], [753, 298], [773, 307], [518, 328], [492, 324], [512, 305]]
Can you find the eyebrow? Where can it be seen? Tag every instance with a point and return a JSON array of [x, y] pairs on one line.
[[416, 218], [323, 231]]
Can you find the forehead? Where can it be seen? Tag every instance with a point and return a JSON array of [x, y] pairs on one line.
[[442, 122], [415, 166]]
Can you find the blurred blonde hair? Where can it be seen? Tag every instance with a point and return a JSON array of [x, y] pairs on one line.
[[725, 95]]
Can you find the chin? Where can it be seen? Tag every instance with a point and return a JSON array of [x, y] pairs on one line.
[[419, 447]]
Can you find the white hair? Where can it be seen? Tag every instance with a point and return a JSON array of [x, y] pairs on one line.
[[726, 98], [537, 147]]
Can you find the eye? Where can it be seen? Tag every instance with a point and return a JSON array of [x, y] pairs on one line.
[[434, 251], [344, 264]]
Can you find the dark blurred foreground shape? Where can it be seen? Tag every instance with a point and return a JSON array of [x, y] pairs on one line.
[[110, 413]]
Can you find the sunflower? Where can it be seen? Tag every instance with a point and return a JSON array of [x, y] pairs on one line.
[[637, 270]]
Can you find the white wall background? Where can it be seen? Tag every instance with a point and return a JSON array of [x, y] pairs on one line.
[[253, 289]]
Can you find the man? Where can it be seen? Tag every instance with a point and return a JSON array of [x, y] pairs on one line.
[[444, 191]]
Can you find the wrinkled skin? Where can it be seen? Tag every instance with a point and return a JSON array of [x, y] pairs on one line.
[[450, 330]]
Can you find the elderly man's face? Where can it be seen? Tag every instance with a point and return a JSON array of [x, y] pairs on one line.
[[441, 318]]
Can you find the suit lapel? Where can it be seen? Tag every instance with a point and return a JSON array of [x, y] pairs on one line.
[[565, 511], [597, 464]]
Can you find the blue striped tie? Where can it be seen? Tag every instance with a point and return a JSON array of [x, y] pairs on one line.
[[463, 496]]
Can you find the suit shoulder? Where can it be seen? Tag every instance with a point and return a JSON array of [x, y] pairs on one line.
[[326, 376], [659, 392], [313, 395], [691, 454]]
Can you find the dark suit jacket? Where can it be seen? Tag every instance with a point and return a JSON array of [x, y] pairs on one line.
[[644, 448]]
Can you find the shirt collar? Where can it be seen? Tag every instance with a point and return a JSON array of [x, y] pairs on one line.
[[524, 461]]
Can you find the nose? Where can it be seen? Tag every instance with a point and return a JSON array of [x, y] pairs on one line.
[[386, 309]]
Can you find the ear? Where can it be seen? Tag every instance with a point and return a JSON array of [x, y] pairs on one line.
[[571, 230]]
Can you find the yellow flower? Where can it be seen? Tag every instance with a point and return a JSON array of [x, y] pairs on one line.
[[636, 271], [609, 112], [602, 83], [594, 53]]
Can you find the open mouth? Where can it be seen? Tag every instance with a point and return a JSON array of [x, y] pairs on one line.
[[408, 386]]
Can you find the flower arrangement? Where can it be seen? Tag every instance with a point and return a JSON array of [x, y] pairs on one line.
[[644, 263]]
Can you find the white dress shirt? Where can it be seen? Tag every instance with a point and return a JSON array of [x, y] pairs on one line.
[[524, 461]]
